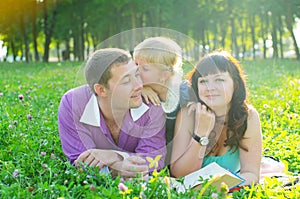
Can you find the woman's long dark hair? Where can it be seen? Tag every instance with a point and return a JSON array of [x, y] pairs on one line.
[[222, 61]]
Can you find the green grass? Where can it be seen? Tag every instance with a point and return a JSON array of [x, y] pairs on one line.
[[27, 172]]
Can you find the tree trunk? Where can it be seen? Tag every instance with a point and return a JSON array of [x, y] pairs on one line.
[[252, 28], [58, 51], [216, 36], [81, 41], [274, 39], [66, 53], [13, 49], [133, 15], [264, 25], [203, 42], [280, 37], [289, 19], [295, 42], [235, 46], [94, 41], [25, 38], [243, 44], [48, 30], [207, 43], [244, 35], [88, 43], [223, 35], [75, 46], [34, 33]]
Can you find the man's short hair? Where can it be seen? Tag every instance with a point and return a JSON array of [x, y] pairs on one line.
[[98, 66]]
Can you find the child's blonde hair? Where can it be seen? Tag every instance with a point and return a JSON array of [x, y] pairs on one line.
[[160, 50]]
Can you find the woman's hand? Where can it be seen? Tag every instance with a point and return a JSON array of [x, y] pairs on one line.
[[150, 96], [204, 120]]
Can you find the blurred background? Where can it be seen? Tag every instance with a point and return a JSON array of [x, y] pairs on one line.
[[68, 30]]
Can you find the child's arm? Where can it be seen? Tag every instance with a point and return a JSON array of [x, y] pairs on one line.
[[150, 96]]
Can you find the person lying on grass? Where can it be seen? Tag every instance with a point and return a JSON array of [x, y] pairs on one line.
[[160, 63], [223, 127], [106, 123]]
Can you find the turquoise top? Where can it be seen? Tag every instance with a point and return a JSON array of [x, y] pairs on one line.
[[229, 161]]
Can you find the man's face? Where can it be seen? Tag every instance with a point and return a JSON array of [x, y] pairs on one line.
[[125, 86]]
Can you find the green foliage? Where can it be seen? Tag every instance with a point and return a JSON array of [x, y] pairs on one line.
[[274, 91], [239, 26], [32, 164]]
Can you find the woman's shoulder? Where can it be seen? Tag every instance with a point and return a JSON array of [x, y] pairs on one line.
[[253, 122]]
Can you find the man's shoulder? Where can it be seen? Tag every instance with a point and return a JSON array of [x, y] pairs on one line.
[[79, 90], [80, 93]]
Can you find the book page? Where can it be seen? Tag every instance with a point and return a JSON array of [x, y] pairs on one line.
[[212, 169]]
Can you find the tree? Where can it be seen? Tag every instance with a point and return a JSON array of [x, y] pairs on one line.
[[48, 25], [23, 23], [291, 8], [34, 30], [231, 24]]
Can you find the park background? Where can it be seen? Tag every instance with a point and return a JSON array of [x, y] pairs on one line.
[[44, 44], [56, 30]]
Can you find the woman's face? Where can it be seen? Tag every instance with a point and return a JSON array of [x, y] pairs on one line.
[[216, 90], [150, 73]]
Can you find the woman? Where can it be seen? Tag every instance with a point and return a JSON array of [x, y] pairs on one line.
[[223, 128], [160, 63]]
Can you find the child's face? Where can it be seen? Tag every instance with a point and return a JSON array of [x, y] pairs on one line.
[[150, 73]]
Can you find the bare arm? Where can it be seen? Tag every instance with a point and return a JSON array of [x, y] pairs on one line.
[[187, 154], [251, 160]]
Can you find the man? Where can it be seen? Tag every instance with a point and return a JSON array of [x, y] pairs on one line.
[[106, 123]]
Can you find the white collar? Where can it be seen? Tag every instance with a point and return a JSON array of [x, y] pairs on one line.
[[172, 100], [91, 113], [173, 93]]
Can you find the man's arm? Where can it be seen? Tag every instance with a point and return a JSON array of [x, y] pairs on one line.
[[71, 142], [153, 141]]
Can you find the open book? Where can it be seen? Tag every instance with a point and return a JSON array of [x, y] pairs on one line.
[[220, 174]]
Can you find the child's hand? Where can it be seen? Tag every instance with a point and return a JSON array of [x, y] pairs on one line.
[[149, 94]]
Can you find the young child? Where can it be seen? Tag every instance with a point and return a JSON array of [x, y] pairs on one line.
[[160, 62]]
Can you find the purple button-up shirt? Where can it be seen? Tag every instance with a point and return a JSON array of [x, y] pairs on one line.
[[82, 126]]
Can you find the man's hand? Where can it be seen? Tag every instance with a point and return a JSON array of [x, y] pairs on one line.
[[97, 158], [131, 166]]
